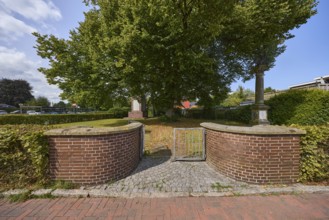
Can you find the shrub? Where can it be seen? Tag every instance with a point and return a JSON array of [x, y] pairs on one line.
[[54, 119], [304, 107], [195, 113], [241, 114], [23, 155], [315, 153], [165, 118], [119, 112]]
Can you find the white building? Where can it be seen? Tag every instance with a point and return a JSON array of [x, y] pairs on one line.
[[319, 82]]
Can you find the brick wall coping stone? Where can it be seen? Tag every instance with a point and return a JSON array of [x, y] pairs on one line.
[[92, 131], [254, 130]]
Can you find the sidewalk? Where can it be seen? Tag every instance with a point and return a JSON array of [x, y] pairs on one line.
[[304, 206]]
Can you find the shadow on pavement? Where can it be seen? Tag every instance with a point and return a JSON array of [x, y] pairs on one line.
[[154, 158]]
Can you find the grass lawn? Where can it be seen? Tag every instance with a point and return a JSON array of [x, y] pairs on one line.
[[96, 123], [158, 134]]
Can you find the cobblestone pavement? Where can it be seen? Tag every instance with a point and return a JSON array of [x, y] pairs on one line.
[[305, 206], [160, 177]]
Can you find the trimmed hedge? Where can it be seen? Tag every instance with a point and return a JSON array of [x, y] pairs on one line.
[[54, 119], [303, 107], [119, 112], [23, 155], [241, 114], [314, 164]]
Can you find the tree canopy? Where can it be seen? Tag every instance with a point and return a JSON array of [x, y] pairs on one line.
[[241, 94], [39, 101], [15, 92], [168, 50]]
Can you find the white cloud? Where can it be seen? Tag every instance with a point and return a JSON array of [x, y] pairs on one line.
[[16, 65], [17, 17], [36, 10], [12, 28]]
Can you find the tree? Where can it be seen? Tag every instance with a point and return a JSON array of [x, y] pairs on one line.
[[263, 27], [168, 50], [61, 104], [161, 49], [15, 92], [39, 101], [259, 28], [258, 31], [240, 95], [269, 89]]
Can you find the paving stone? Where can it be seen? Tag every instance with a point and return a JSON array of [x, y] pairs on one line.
[[14, 192], [70, 193], [41, 192]]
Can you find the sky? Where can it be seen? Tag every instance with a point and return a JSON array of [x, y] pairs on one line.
[[306, 56]]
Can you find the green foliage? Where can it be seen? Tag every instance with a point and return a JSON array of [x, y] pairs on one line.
[[21, 197], [259, 29], [39, 101], [269, 89], [119, 112], [165, 118], [62, 184], [136, 48], [303, 107], [315, 153], [168, 50], [23, 155], [14, 92], [55, 119], [240, 114], [219, 187], [240, 95], [61, 104]]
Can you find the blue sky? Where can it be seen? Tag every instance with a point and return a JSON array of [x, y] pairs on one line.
[[306, 56]]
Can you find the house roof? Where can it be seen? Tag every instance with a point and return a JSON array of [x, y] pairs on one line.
[[310, 83]]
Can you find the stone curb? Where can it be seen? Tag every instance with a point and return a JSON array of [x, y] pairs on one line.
[[263, 190]]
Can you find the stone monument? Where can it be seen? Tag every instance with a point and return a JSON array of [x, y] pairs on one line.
[[259, 110], [136, 109]]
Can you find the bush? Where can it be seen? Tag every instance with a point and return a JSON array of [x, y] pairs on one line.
[[315, 153], [23, 155], [165, 118], [119, 112], [195, 113], [54, 119], [304, 107], [241, 114]]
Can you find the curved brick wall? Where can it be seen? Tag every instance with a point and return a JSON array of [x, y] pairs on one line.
[[259, 154], [94, 155]]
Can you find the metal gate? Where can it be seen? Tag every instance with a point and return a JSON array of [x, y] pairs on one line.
[[189, 144]]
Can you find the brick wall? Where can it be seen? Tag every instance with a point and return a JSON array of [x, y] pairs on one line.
[[254, 158], [94, 159]]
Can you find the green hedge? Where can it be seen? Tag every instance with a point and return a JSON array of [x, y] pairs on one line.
[[54, 119], [303, 107], [241, 114], [315, 153], [23, 155], [119, 112]]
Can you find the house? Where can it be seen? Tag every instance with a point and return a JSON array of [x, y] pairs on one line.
[[319, 83]]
